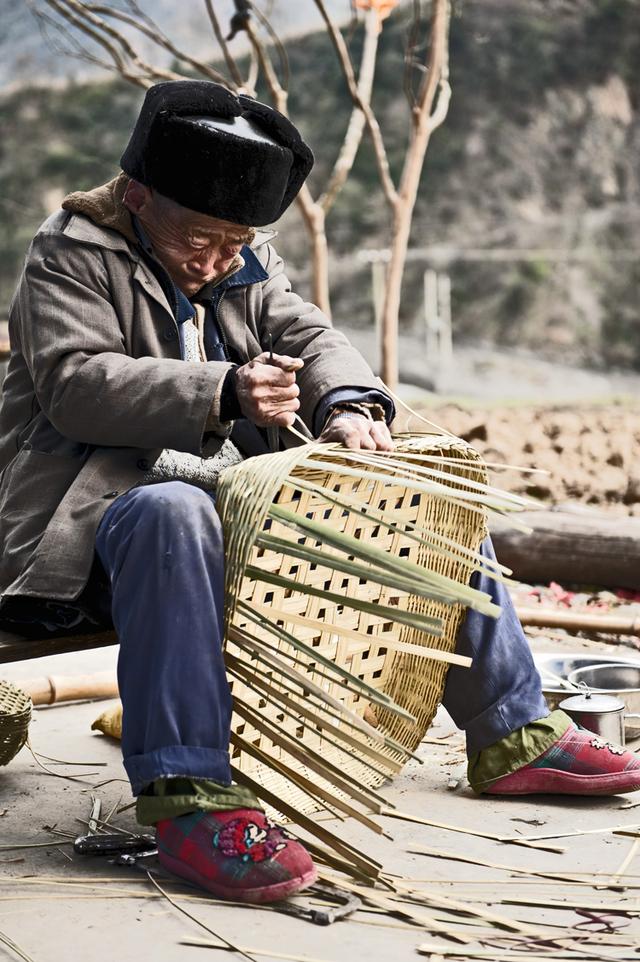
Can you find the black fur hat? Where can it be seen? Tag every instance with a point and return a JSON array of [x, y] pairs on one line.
[[220, 154]]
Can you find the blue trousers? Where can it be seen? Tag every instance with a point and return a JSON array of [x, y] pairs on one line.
[[161, 547]]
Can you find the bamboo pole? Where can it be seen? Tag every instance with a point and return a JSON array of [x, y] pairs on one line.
[[51, 689], [579, 621]]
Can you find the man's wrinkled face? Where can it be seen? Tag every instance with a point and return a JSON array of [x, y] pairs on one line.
[[193, 248]]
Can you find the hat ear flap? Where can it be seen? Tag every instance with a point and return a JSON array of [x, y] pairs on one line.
[[279, 127]]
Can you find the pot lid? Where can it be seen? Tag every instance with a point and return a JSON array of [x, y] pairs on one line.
[[594, 703]]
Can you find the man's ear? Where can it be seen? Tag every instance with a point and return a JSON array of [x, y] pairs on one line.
[[137, 197]]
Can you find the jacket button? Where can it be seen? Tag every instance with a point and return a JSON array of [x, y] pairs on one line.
[[169, 334], [143, 464], [110, 494]]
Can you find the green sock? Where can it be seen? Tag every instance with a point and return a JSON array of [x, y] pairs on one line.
[[170, 797]]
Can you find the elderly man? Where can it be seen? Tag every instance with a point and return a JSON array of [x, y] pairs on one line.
[[155, 340]]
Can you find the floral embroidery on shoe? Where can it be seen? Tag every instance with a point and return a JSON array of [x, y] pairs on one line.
[[245, 839], [601, 743]]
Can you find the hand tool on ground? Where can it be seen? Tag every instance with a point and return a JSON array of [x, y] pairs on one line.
[[345, 904], [132, 846]]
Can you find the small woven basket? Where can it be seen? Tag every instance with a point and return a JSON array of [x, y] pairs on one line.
[[15, 715]]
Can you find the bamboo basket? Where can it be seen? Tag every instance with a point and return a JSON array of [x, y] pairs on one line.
[[336, 675], [15, 715]]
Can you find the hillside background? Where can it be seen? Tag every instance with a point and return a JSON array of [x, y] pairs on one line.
[[541, 150]]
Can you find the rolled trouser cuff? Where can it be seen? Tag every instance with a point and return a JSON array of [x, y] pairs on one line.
[[177, 761], [503, 717]]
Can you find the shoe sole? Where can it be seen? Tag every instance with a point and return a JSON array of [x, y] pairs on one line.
[[257, 896], [548, 782]]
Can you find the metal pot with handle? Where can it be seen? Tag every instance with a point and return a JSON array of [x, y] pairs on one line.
[[608, 692]]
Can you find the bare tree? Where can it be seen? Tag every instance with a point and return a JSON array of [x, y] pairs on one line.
[[89, 26], [429, 104]]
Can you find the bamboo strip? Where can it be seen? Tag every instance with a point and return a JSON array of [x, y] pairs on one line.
[[243, 640], [470, 860], [620, 907], [506, 839], [258, 650], [382, 901], [313, 789], [626, 862], [448, 589], [450, 657], [269, 953], [308, 756], [454, 905], [278, 685], [414, 532], [585, 831], [372, 693], [298, 711], [579, 621], [437, 951], [411, 619], [367, 866]]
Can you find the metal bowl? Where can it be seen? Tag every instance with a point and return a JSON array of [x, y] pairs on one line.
[[616, 678], [562, 666]]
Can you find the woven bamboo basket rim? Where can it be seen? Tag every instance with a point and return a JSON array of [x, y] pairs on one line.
[[15, 716]]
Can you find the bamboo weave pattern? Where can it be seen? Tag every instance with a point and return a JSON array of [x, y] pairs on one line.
[[309, 735]]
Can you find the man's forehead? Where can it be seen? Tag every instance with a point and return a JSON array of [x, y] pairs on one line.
[[203, 223]]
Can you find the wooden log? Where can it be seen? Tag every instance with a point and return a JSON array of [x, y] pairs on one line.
[[582, 547]]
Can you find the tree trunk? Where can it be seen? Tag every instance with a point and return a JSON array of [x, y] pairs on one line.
[[581, 548], [424, 123], [320, 264], [314, 221]]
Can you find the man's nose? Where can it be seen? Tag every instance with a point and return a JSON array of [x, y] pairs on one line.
[[203, 261]]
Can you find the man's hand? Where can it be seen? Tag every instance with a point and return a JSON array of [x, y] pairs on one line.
[[267, 391], [358, 433]]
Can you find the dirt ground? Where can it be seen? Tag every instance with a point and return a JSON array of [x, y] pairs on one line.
[[589, 451], [59, 906]]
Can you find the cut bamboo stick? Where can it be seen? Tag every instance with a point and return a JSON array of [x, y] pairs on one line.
[[579, 621], [505, 839], [471, 860], [51, 689], [330, 628], [632, 826], [373, 897], [366, 866], [619, 907]]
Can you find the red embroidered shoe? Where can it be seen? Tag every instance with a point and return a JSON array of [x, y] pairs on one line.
[[578, 763], [236, 855]]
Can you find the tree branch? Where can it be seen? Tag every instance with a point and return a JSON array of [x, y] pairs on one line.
[[282, 53], [112, 50], [353, 136], [277, 91], [73, 48], [344, 59], [438, 59], [151, 30], [232, 66], [410, 49], [83, 11]]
